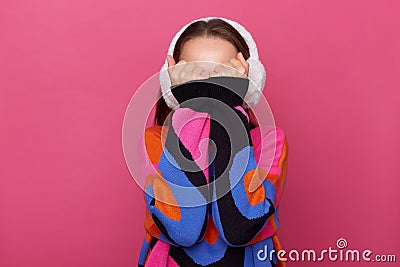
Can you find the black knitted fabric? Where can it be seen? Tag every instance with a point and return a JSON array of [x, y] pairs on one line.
[[229, 90]]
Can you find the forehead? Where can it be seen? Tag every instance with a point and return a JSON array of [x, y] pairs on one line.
[[208, 49]]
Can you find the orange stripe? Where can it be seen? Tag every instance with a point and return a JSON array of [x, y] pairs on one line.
[[278, 247], [283, 157], [211, 235], [148, 237], [165, 200], [283, 165], [150, 226], [258, 195], [154, 137]]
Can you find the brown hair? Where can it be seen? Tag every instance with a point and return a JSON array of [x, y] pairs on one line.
[[213, 28]]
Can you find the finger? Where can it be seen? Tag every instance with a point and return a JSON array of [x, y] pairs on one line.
[[214, 74], [238, 66], [244, 63], [229, 69], [200, 73], [197, 70], [176, 70], [204, 75], [218, 71], [170, 60], [186, 73], [182, 61]]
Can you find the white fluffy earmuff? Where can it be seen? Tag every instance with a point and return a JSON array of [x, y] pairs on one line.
[[256, 75]]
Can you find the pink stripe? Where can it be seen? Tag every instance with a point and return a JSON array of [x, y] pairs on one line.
[[243, 111], [280, 139], [267, 231], [158, 255], [172, 262], [265, 144], [193, 129], [268, 149], [275, 170], [255, 138]]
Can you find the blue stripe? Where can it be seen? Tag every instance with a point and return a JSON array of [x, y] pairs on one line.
[[237, 172]]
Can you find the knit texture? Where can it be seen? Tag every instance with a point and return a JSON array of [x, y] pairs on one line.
[[212, 224]]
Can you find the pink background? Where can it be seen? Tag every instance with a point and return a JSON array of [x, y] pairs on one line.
[[69, 68]]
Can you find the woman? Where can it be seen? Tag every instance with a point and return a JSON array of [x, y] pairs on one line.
[[210, 226]]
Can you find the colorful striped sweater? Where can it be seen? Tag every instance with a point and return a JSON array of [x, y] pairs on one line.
[[237, 229]]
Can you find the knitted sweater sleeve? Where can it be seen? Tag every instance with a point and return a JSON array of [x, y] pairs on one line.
[[245, 193], [176, 190], [257, 176], [271, 151]]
